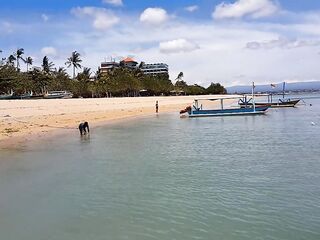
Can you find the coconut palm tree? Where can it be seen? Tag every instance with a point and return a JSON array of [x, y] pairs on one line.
[[19, 53], [47, 65], [60, 80], [141, 65], [83, 83], [180, 76], [74, 61], [62, 70], [86, 72], [29, 61], [11, 60]]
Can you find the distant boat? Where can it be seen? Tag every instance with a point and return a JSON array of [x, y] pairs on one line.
[[22, 96], [197, 111], [281, 103], [37, 96], [13, 96], [6, 96], [58, 94]]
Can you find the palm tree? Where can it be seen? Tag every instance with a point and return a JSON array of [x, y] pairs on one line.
[[47, 65], [29, 61], [74, 61], [141, 65], [84, 83], [86, 72], [11, 60], [62, 70], [19, 53], [180, 76], [60, 80]]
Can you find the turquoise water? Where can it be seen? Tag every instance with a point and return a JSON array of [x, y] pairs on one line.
[[163, 177]]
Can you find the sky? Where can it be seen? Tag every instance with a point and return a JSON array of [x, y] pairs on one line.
[[233, 42]]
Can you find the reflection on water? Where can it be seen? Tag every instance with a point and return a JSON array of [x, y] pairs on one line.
[[85, 138], [164, 177]]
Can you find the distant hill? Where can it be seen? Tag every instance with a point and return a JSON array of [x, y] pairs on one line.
[[297, 86]]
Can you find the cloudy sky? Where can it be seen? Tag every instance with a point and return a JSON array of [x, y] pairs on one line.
[[232, 41]]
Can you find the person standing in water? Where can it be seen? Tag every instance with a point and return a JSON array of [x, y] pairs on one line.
[[157, 107]]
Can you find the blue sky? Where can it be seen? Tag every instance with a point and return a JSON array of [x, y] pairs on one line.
[[205, 6], [232, 43], [58, 5]]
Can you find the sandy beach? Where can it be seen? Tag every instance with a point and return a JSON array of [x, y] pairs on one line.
[[21, 120]]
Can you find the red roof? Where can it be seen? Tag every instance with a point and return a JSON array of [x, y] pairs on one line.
[[128, 59]]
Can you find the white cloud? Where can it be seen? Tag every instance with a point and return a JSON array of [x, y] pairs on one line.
[[113, 2], [192, 8], [102, 18], [283, 43], [224, 54], [243, 8], [45, 17], [154, 16], [49, 51], [178, 46]]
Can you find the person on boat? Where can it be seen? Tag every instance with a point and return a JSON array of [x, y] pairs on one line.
[[83, 128], [157, 107]]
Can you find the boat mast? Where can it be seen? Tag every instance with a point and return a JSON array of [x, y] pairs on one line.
[[283, 89], [253, 101]]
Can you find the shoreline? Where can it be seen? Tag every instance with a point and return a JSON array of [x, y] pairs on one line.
[[22, 121], [29, 140]]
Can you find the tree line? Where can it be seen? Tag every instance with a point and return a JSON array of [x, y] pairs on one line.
[[118, 82]]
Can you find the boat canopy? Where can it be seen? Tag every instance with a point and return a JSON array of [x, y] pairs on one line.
[[257, 95], [215, 99]]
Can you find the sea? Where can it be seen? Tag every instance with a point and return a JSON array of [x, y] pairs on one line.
[[169, 178]]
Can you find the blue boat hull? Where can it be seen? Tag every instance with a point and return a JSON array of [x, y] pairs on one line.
[[228, 112]]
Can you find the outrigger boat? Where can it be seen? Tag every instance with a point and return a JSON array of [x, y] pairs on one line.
[[6, 96], [22, 96], [197, 111], [245, 102], [58, 94], [13, 96]]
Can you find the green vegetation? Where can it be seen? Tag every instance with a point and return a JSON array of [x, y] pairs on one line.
[[119, 82]]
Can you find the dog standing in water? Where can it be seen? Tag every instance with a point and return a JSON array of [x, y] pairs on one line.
[[83, 127]]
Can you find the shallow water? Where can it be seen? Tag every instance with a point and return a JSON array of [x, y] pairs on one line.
[[169, 178]]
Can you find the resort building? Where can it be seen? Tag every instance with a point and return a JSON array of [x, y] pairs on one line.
[[148, 69], [108, 66], [128, 63], [155, 68]]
